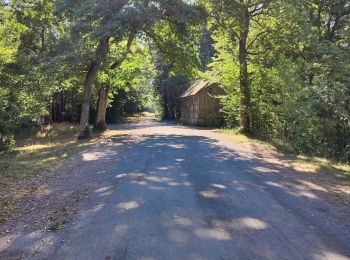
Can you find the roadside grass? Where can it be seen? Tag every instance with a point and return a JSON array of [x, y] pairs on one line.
[[308, 163], [35, 154]]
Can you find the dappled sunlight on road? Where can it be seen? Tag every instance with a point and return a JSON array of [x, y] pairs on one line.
[[128, 205], [182, 193], [327, 255], [294, 190], [211, 194], [93, 156], [121, 229], [186, 222], [104, 189], [97, 208], [212, 233], [249, 223]]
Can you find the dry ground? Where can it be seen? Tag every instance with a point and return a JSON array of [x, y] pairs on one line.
[[313, 193]]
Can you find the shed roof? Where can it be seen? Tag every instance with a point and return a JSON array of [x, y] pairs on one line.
[[195, 88]]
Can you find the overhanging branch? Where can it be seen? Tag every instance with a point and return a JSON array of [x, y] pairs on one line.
[[125, 55], [255, 38]]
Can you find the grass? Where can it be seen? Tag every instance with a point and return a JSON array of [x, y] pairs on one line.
[[307, 163], [339, 170], [36, 153]]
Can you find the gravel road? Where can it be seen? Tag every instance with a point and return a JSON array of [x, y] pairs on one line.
[[183, 193]]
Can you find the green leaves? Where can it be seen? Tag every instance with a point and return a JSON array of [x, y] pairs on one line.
[[298, 70]]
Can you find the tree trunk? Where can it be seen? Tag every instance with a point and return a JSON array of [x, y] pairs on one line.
[[243, 76], [100, 124], [101, 53], [166, 107]]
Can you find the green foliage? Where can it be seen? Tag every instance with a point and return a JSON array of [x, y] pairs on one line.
[[298, 68], [130, 86], [297, 55]]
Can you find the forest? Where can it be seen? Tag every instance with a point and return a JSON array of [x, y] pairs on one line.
[[284, 65]]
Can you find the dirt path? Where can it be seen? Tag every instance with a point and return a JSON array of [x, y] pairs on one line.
[[163, 191]]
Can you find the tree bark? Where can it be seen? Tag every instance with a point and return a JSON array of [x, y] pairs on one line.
[[100, 124], [243, 75], [100, 56]]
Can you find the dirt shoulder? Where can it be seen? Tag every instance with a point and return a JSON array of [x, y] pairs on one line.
[[329, 180], [47, 199]]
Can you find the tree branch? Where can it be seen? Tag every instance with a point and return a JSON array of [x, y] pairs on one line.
[[255, 38], [117, 63], [155, 40], [258, 53]]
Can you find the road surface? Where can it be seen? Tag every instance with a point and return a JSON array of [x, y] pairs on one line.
[[184, 193]]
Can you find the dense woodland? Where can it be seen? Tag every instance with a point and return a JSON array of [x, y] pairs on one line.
[[284, 65]]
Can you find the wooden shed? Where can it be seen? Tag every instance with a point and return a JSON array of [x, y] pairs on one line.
[[200, 104]]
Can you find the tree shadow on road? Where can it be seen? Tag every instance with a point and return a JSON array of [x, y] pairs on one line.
[[189, 197]]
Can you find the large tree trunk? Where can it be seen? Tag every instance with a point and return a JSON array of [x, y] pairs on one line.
[[101, 53], [243, 76], [100, 124]]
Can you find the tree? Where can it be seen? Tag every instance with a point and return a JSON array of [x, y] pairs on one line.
[[126, 73], [100, 124], [115, 21], [234, 20]]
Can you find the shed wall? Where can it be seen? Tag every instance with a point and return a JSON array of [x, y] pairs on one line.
[[202, 109]]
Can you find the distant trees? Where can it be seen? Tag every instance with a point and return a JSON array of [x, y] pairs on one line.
[[169, 86]]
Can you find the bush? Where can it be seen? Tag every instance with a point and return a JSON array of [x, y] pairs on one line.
[[7, 142]]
